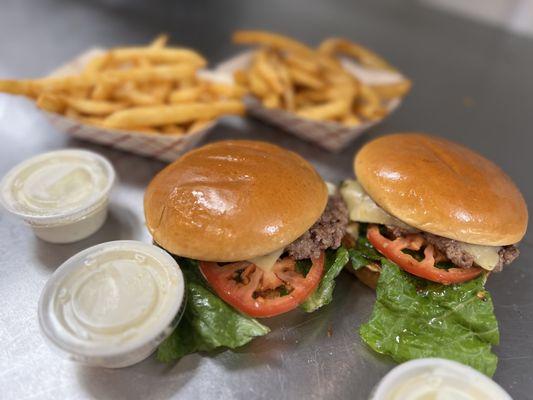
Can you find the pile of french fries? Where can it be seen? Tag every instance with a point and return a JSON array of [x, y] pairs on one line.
[[312, 83], [151, 89]]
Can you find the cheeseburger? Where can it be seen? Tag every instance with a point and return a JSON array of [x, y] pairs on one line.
[[257, 219], [434, 208]]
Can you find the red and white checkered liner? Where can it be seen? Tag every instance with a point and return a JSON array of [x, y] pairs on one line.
[[160, 146], [331, 136]]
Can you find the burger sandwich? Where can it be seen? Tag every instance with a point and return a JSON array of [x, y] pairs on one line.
[[429, 221], [254, 224]]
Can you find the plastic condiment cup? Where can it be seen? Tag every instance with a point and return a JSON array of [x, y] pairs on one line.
[[62, 195], [437, 378], [112, 304]]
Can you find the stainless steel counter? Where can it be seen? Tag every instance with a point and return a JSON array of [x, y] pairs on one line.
[[472, 84]]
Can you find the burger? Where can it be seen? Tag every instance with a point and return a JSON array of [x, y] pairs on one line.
[[429, 221], [256, 220], [420, 193]]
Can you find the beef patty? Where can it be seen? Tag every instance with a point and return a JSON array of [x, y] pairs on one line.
[[453, 251], [326, 233]]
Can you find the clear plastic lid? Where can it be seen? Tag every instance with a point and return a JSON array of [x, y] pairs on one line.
[[57, 186], [111, 305], [437, 378]]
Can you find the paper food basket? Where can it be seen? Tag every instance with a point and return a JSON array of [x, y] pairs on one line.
[[331, 136], [159, 146]]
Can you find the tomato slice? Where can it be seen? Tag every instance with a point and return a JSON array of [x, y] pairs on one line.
[[260, 293], [392, 249]]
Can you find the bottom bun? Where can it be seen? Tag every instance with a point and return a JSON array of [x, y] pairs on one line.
[[366, 275]]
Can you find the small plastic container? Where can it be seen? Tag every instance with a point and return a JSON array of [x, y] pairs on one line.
[[112, 304], [62, 195], [437, 378]]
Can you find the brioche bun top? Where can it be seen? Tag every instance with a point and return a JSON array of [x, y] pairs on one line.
[[443, 188], [233, 200]]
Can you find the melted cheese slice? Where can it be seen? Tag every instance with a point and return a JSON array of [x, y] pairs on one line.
[[487, 257], [332, 188], [267, 261], [363, 209]]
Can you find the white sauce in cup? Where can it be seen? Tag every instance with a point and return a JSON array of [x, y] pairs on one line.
[[437, 379], [62, 195], [111, 305]]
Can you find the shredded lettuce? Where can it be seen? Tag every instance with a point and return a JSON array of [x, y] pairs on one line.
[[415, 318], [208, 322], [333, 265]]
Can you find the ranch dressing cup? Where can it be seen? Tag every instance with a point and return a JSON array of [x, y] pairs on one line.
[[437, 379], [62, 195], [112, 304]]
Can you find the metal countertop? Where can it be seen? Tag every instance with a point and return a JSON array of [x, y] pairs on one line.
[[472, 84]]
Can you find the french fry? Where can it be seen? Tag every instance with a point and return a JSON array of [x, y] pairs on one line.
[[225, 90], [171, 114], [369, 106], [365, 56], [104, 89], [351, 120], [198, 125], [51, 103], [288, 91], [315, 96], [131, 95], [267, 72], [273, 40], [188, 82], [329, 63], [32, 87], [161, 91], [303, 78], [93, 107], [392, 90], [71, 113], [97, 64], [24, 88], [240, 77], [257, 85], [327, 111], [143, 62], [157, 55], [271, 101], [64, 83], [309, 65], [159, 42], [369, 96], [158, 73], [347, 92], [143, 129], [185, 95], [302, 102], [172, 129]]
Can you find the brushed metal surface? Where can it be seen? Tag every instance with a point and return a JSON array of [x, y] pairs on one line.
[[473, 84]]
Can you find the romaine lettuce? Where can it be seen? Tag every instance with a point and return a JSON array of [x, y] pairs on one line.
[[208, 322], [333, 264], [415, 318]]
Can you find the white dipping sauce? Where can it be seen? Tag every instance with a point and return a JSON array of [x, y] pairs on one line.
[[62, 195], [112, 304], [437, 379]]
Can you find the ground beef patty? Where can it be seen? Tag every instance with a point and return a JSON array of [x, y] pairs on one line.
[[326, 233], [453, 251]]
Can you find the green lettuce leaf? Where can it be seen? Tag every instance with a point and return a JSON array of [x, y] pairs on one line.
[[363, 254], [415, 318], [335, 261], [208, 322]]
